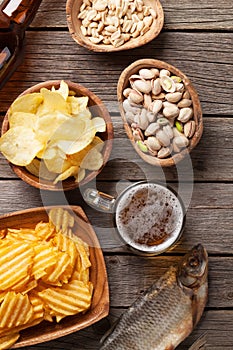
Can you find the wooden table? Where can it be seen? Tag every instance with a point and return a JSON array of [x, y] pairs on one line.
[[197, 38]]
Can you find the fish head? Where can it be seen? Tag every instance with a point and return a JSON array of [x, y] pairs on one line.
[[193, 269]]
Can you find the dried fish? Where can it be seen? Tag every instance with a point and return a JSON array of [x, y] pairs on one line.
[[168, 311]]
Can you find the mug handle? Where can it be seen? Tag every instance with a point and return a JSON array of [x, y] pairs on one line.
[[99, 200]]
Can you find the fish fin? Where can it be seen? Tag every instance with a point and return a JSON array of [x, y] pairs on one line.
[[200, 343]]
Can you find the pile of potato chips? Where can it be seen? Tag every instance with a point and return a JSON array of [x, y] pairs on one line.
[[53, 134], [44, 275]]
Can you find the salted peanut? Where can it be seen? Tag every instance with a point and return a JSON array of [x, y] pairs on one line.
[[148, 20], [116, 35], [118, 42], [100, 5], [96, 40], [83, 30], [144, 30]]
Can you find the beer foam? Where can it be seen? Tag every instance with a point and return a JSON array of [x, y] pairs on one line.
[[149, 217]]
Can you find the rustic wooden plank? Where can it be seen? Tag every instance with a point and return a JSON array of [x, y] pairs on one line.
[[206, 58], [217, 325], [209, 217], [178, 15], [212, 160]]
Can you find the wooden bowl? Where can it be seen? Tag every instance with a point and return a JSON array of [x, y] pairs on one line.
[[46, 331], [123, 83], [107, 136], [74, 24]]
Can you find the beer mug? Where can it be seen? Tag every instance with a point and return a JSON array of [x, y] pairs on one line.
[[15, 17], [149, 217]]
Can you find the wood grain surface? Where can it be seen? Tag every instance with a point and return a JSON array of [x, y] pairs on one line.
[[197, 39]]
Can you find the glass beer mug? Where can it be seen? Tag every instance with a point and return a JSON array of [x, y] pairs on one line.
[[15, 17], [149, 217]]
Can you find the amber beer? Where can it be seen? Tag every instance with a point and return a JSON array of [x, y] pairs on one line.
[[149, 217]]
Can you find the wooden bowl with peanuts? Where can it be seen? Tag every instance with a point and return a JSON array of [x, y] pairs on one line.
[[115, 25]]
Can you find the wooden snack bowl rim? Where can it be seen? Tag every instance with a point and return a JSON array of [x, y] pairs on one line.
[[123, 83], [77, 35], [68, 184], [98, 275]]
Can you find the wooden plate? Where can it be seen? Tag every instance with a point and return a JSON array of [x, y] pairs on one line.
[[107, 136], [74, 24], [100, 303], [123, 83]]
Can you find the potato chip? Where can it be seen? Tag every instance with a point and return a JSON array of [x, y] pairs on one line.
[[22, 119], [47, 125], [78, 104], [28, 103], [69, 299], [58, 163], [38, 168], [72, 171], [93, 160], [80, 175], [45, 274], [52, 102], [7, 341], [20, 145], [16, 259], [63, 90], [15, 310], [99, 124], [98, 143]]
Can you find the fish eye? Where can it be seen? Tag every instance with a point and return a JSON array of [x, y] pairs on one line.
[[194, 262]]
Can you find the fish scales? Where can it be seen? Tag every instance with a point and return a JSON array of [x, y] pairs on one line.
[[159, 319]]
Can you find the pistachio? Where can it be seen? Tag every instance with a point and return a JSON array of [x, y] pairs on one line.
[[185, 114], [173, 96], [163, 138], [164, 152], [155, 72], [168, 130], [189, 128], [156, 87], [142, 120], [142, 146], [135, 96], [185, 102], [147, 100], [181, 141], [176, 149], [146, 73], [160, 96], [176, 132], [164, 72], [153, 143], [186, 95], [152, 129], [167, 83], [126, 92], [176, 79], [162, 121], [157, 105], [179, 126], [151, 117], [137, 134], [142, 86], [179, 87], [171, 110]]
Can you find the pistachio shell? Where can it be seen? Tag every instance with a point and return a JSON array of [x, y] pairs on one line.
[[129, 116], [157, 105], [173, 96], [167, 84], [171, 110], [176, 149], [142, 86], [151, 117], [162, 121], [186, 94], [164, 72], [185, 102], [147, 100], [179, 87], [164, 152], [189, 128], [126, 92], [153, 143], [176, 79], [181, 141], [168, 130], [135, 96], [152, 129], [185, 114], [155, 72], [137, 134], [176, 132], [163, 138], [146, 73], [156, 87], [142, 120]]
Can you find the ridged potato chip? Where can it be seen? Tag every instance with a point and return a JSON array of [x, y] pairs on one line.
[[7, 341]]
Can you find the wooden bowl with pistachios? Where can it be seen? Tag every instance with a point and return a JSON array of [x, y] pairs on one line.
[[115, 25], [161, 111]]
